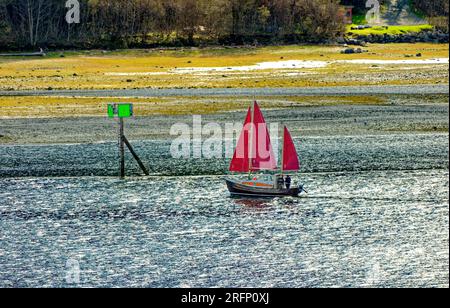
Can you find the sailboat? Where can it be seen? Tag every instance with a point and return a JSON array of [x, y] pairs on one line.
[[254, 153]]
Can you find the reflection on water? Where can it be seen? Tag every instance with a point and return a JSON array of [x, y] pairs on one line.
[[252, 204]]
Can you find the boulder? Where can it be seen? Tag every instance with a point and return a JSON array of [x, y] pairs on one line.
[[348, 51], [340, 40]]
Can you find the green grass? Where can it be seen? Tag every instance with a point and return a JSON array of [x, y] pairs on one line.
[[62, 107], [359, 19], [390, 30]]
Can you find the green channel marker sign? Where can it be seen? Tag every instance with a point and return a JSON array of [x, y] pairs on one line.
[[122, 110]]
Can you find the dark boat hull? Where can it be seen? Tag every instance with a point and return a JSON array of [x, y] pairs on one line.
[[239, 189]]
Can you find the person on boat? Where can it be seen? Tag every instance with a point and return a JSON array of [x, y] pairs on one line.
[[288, 182], [280, 182]]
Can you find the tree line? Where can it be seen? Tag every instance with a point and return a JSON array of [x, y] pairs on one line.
[[149, 23], [144, 23], [436, 10], [432, 8]]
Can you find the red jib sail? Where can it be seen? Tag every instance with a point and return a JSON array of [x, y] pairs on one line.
[[290, 156], [262, 154], [241, 158]]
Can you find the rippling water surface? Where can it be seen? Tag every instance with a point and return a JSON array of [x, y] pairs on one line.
[[377, 214]]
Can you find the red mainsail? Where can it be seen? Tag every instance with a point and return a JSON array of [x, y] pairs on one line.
[[254, 150], [290, 156], [262, 154]]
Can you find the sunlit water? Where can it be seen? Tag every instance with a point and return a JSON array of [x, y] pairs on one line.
[[377, 214]]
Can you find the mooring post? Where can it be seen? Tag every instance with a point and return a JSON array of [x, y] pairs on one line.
[[121, 148], [122, 111]]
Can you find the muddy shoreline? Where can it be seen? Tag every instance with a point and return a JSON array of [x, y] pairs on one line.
[[338, 138], [311, 91]]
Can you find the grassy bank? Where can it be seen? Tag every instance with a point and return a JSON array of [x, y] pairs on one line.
[[70, 107], [130, 69], [389, 30]]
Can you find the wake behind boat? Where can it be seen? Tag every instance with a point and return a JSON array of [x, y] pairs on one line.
[[254, 153]]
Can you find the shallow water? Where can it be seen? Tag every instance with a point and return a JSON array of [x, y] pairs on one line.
[[297, 65], [377, 214]]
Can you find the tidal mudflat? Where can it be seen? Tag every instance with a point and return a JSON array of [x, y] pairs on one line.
[[262, 67]]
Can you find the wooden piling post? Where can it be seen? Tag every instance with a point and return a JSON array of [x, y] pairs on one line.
[[122, 148], [122, 111]]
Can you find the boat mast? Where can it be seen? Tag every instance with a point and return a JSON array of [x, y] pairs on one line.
[[251, 140]]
